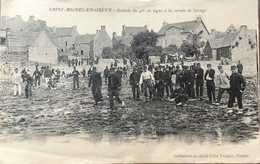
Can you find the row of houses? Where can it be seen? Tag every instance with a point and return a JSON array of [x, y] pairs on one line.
[[53, 44]]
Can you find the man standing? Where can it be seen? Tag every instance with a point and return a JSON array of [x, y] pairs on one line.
[[106, 73], [147, 80], [114, 86], [89, 72], [16, 80], [199, 81], [96, 82], [222, 81], [28, 87], [75, 74], [24, 73], [134, 82], [159, 83], [209, 77], [239, 67], [190, 84], [168, 81], [84, 73], [237, 86], [47, 75], [37, 75]]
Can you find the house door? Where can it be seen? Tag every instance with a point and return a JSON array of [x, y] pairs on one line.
[[81, 52]]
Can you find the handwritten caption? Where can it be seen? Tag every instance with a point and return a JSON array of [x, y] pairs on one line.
[[109, 10]]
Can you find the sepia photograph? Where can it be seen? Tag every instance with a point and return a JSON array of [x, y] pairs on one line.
[[129, 81]]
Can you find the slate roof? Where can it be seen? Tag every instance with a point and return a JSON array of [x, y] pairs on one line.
[[80, 39], [226, 41], [64, 31], [127, 31], [187, 26]]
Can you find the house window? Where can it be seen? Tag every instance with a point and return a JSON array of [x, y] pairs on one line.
[[61, 50], [66, 43], [46, 54], [81, 52]]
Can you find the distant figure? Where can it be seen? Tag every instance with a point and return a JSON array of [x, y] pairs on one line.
[[239, 67], [96, 82], [75, 74], [83, 72], [63, 73], [29, 84], [209, 77], [89, 72], [237, 86], [16, 80], [47, 74], [37, 74], [106, 74]]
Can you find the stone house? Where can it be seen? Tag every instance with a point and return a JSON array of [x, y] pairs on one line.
[[44, 49], [176, 33], [235, 44], [127, 35], [66, 37], [92, 45]]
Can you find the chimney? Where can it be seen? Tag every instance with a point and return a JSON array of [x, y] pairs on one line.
[[123, 27], [53, 29], [213, 31], [164, 23], [97, 31], [103, 28], [114, 34], [146, 27], [7, 39], [31, 18], [243, 27], [199, 18]]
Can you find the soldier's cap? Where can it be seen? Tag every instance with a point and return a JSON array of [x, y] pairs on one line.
[[233, 67]]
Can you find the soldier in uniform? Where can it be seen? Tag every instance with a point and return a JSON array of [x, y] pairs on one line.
[[106, 73], [75, 74], [190, 84], [199, 72], [168, 81], [239, 67], [37, 74], [114, 86], [237, 86], [29, 84], [209, 77], [159, 83], [96, 82], [134, 82]]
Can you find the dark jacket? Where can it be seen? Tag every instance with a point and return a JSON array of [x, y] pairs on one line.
[[29, 79], [190, 77], [200, 73], [47, 73], [95, 79], [106, 72], [75, 73], [240, 67], [237, 81], [134, 78], [168, 75], [158, 75], [37, 73], [211, 73], [178, 92], [114, 81]]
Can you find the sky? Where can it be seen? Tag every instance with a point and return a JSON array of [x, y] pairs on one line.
[[217, 14]]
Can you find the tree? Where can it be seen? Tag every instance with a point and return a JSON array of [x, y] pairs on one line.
[[107, 52], [144, 44]]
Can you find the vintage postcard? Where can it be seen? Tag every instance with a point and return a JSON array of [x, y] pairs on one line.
[[129, 81]]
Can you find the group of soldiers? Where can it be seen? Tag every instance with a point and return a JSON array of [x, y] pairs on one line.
[[180, 83], [183, 82]]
